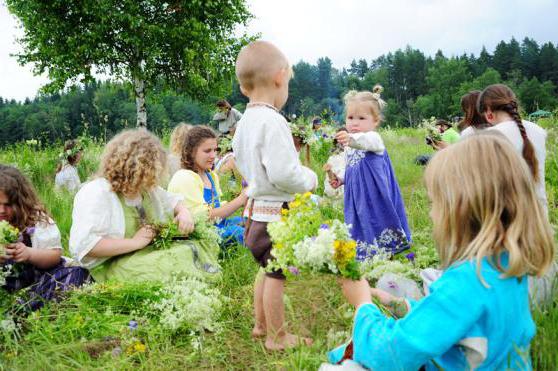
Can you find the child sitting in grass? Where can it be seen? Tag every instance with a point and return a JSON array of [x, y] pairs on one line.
[[491, 234], [113, 214], [36, 259], [199, 185]]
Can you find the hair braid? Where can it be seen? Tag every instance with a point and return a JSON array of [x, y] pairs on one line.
[[499, 97], [528, 149]]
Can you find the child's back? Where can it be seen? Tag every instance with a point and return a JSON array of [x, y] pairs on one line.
[[266, 156]]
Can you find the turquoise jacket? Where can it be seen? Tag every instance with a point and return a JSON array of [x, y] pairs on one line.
[[460, 325]]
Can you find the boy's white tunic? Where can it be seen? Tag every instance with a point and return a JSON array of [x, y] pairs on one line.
[[98, 214], [267, 159]]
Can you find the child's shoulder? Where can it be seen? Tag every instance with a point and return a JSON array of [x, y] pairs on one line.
[[263, 115]]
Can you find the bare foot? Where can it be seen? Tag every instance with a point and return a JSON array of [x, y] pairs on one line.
[[258, 331], [286, 342]]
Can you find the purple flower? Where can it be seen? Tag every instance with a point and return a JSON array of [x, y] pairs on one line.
[[411, 256], [324, 226], [30, 230], [392, 285], [294, 270], [244, 183], [132, 325]]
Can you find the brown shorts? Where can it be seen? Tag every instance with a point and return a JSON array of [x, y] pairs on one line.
[[258, 241]]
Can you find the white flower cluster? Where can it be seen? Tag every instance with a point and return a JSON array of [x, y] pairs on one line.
[[189, 304], [5, 271], [316, 253]]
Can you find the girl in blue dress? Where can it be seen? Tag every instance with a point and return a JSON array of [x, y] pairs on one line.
[[373, 204], [476, 316]]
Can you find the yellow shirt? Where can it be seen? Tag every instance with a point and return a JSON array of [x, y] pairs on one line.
[[189, 184]]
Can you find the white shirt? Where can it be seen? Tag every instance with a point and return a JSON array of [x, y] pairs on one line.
[[67, 178], [46, 236], [536, 135], [98, 214], [369, 141], [227, 121], [266, 157]]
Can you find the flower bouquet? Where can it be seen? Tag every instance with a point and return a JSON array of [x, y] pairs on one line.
[[8, 234], [305, 241], [166, 233], [432, 132]]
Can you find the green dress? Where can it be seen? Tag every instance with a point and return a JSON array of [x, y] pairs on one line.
[[185, 258]]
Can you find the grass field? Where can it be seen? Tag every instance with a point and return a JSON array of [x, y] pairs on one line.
[[83, 331]]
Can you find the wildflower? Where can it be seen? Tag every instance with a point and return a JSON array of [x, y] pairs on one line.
[[132, 325], [136, 347], [411, 257], [324, 226], [294, 270]]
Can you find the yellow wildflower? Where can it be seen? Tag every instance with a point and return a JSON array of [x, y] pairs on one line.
[[136, 347], [307, 195], [344, 252]]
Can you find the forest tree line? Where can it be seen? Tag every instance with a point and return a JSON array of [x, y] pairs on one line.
[[415, 86]]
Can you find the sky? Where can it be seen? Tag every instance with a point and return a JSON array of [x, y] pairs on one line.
[[345, 30]]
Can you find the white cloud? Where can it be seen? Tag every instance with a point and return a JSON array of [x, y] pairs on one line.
[[353, 29]]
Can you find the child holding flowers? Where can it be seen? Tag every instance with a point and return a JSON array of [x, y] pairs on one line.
[[32, 244], [267, 159], [373, 204], [66, 173], [113, 216], [199, 185], [477, 314]]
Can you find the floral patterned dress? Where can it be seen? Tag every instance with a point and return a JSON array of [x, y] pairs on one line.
[[373, 204]]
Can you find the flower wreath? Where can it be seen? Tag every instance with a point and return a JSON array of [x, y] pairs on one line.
[[63, 156]]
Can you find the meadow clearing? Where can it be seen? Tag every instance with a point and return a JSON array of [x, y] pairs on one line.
[[91, 328]]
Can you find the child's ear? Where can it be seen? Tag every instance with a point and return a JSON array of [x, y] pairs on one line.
[[244, 91], [280, 77]]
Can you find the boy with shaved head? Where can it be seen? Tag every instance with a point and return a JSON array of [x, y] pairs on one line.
[[267, 159]]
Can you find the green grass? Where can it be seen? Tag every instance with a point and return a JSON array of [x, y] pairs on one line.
[[82, 331]]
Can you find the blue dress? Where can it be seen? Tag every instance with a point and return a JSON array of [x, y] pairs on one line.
[[461, 325], [230, 228], [373, 204]]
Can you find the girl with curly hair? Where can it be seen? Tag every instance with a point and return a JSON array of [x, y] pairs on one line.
[[199, 185], [36, 258], [113, 214]]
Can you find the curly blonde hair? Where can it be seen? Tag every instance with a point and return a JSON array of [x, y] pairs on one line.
[[133, 161], [177, 138]]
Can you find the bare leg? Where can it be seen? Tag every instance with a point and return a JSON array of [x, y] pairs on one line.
[[259, 315], [274, 309]]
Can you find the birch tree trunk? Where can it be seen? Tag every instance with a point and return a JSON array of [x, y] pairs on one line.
[[139, 88]]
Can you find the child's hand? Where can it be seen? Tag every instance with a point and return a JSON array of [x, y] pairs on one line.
[[356, 292], [19, 252], [335, 182], [185, 221], [343, 137], [143, 237], [396, 305]]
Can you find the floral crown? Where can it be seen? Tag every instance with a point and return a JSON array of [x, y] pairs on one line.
[[64, 155]]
